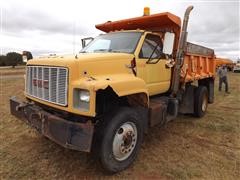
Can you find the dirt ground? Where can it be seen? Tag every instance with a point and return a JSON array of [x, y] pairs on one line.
[[186, 148]]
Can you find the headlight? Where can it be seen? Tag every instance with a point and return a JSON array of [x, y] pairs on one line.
[[81, 99], [84, 95]]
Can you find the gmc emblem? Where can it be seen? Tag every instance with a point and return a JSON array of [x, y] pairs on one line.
[[41, 83]]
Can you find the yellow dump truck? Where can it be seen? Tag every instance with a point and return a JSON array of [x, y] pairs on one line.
[[140, 73], [226, 62]]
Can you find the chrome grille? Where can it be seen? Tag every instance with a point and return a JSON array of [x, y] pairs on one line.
[[47, 83]]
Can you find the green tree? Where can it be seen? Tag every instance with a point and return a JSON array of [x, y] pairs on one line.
[[3, 60], [13, 59]]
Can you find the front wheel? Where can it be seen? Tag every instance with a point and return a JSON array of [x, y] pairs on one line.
[[121, 141]]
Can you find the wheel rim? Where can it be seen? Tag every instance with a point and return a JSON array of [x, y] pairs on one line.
[[204, 103], [124, 141]]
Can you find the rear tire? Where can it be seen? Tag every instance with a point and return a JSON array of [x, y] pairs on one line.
[[200, 101], [121, 139]]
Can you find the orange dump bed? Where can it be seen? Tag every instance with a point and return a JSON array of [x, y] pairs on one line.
[[199, 63], [160, 22], [155, 22]]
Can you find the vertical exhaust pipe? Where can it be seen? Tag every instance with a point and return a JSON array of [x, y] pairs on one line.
[[180, 53]]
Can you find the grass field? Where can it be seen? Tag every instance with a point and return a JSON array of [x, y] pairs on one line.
[[18, 70], [187, 148]]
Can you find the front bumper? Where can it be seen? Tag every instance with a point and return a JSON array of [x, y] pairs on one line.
[[71, 135]]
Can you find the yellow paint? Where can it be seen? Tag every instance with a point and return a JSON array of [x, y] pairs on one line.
[[156, 76], [108, 69]]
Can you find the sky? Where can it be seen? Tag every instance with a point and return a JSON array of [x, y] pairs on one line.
[[54, 26]]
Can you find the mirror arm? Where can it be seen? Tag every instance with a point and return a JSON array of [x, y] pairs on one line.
[[150, 58], [84, 41]]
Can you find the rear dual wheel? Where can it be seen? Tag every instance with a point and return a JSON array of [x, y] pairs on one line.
[[200, 101]]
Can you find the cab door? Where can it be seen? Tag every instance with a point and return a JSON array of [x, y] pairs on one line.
[[153, 70]]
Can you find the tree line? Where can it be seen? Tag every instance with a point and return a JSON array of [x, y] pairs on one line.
[[13, 58]]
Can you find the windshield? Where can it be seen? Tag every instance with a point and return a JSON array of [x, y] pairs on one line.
[[123, 42]]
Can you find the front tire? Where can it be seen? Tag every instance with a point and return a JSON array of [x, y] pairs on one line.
[[121, 141]]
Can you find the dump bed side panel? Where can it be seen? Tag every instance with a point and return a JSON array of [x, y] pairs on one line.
[[199, 63]]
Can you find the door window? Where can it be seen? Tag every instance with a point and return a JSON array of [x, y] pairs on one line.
[[149, 44]]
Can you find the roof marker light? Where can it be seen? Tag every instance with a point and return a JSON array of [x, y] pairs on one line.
[[146, 11]]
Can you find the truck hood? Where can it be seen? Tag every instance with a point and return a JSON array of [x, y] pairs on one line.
[[93, 72], [89, 64]]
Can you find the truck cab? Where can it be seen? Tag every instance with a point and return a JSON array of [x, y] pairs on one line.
[[149, 61], [139, 74]]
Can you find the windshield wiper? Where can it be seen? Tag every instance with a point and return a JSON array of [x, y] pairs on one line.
[[107, 50], [101, 50], [115, 51]]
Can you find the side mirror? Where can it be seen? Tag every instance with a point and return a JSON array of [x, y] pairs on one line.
[[86, 41], [168, 43], [24, 57]]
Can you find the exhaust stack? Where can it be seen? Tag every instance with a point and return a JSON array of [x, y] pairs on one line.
[[180, 52]]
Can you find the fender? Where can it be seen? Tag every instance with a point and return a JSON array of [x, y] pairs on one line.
[[122, 84]]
